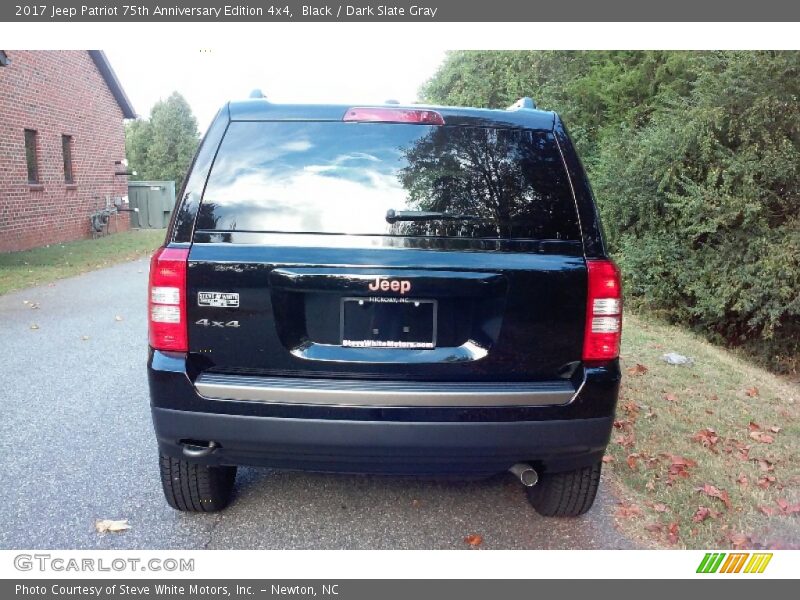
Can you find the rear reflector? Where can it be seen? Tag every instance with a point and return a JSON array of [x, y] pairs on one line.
[[603, 311], [167, 300], [394, 115]]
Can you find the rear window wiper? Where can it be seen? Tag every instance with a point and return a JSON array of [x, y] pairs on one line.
[[393, 216]]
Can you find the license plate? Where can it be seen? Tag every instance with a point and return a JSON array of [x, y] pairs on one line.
[[376, 322]]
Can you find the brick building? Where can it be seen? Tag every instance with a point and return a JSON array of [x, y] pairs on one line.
[[62, 143]]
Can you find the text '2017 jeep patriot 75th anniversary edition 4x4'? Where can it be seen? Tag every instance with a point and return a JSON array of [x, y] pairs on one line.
[[384, 289]]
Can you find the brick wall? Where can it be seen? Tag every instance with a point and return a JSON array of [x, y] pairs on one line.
[[57, 93]]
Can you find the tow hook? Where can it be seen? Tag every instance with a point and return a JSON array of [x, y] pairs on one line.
[[526, 474], [193, 450]]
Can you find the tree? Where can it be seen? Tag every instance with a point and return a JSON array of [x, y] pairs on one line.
[[695, 160], [162, 147]]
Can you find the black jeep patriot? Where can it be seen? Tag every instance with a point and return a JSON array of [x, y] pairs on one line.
[[384, 289]]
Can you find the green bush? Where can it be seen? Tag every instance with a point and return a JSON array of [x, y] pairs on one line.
[[695, 158]]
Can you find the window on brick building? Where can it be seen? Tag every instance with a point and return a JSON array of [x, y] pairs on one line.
[[31, 156], [66, 150]]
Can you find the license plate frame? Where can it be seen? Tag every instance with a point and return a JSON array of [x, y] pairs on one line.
[[393, 309]]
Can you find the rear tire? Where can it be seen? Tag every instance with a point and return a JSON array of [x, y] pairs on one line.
[[193, 487], [567, 494]]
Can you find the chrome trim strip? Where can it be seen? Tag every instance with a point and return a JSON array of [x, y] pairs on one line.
[[382, 393]]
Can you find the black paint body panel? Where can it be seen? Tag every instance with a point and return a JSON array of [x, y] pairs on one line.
[[508, 310]]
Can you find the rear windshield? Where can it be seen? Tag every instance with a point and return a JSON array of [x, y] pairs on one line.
[[345, 178]]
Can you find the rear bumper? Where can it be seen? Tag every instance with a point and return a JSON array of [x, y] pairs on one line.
[[384, 447], [340, 431]]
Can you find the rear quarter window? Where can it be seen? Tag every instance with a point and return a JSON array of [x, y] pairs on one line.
[[343, 178]]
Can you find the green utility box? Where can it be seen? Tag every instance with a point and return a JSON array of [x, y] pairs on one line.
[[154, 201]]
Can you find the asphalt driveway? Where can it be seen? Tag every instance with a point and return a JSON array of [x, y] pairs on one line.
[[76, 445]]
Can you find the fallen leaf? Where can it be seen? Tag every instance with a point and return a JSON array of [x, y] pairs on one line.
[[762, 437], [786, 508], [637, 369], [752, 426], [109, 525], [660, 507], [632, 460], [626, 441], [704, 513], [608, 458], [768, 510], [708, 437], [654, 527], [670, 397], [739, 541], [34, 305], [714, 492], [627, 511], [673, 532], [775, 429], [765, 481], [474, 540], [742, 480], [752, 392], [118, 318], [631, 408], [84, 337], [742, 449], [34, 326], [679, 467], [765, 465]]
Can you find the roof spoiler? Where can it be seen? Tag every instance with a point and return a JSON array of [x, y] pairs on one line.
[[525, 102]]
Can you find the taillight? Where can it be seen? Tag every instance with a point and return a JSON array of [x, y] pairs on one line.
[[603, 311], [394, 115], [167, 300]]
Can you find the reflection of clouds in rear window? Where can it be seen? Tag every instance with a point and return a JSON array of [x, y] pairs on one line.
[[335, 177], [353, 174], [307, 200], [297, 146], [356, 156]]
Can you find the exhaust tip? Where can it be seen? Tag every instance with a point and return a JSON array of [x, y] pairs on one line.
[[197, 449], [526, 474]]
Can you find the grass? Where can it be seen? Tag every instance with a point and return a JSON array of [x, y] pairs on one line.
[[662, 461], [43, 265]]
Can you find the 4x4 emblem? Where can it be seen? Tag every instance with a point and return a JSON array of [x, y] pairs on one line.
[[396, 285], [211, 323]]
